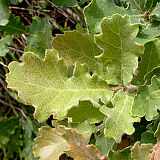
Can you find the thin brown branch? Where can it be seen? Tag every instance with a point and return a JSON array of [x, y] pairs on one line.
[[15, 49]]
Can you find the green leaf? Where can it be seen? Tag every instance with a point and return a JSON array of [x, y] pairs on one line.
[[139, 5], [104, 144], [85, 111], [119, 155], [45, 85], [13, 27], [74, 46], [28, 140], [4, 43], [147, 101], [4, 12], [50, 145], [157, 132], [8, 127], [53, 142], [98, 9], [141, 152], [120, 50], [149, 60], [40, 36], [148, 137], [84, 128], [67, 3], [120, 119], [78, 148], [14, 144], [150, 4], [150, 32]]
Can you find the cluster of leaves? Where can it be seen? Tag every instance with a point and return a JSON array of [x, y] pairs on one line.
[[100, 86], [34, 34]]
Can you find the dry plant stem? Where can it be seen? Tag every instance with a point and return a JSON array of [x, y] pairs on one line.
[[3, 64], [20, 42], [15, 49], [61, 11], [11, 94], [10, 105], [73, 15]]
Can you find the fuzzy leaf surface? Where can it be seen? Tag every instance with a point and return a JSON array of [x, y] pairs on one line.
[[74, 46], [4, 43], [149, 60], [77, 146], [98, 9], [85, 111], [104, 144], [45, 85], [53, 142], [4, 12], [120, 50], [141, 152], [150, 32], [84, 128], [147, 100], [50, 145], [120, 119]]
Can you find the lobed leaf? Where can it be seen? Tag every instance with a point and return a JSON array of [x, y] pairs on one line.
[[120, 119], [45, 85], [53, 142], [141, 152], [76, 47], [50, 145], [149, 32], [104, 144], [149, 60], [78, 148], [99, 9], [120, 50], [147, 101]]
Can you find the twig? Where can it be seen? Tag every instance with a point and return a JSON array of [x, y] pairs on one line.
[[11, 94], [26, 9], [73, 15], [3, 64], [10, 105], [62, 12], [14, 49], [18, 40]]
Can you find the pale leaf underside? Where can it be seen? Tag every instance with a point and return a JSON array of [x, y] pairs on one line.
[[120, 119], [147, 100], [120, 50], [45, 85]]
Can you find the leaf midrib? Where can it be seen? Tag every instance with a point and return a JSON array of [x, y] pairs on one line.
[[64, 90]]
